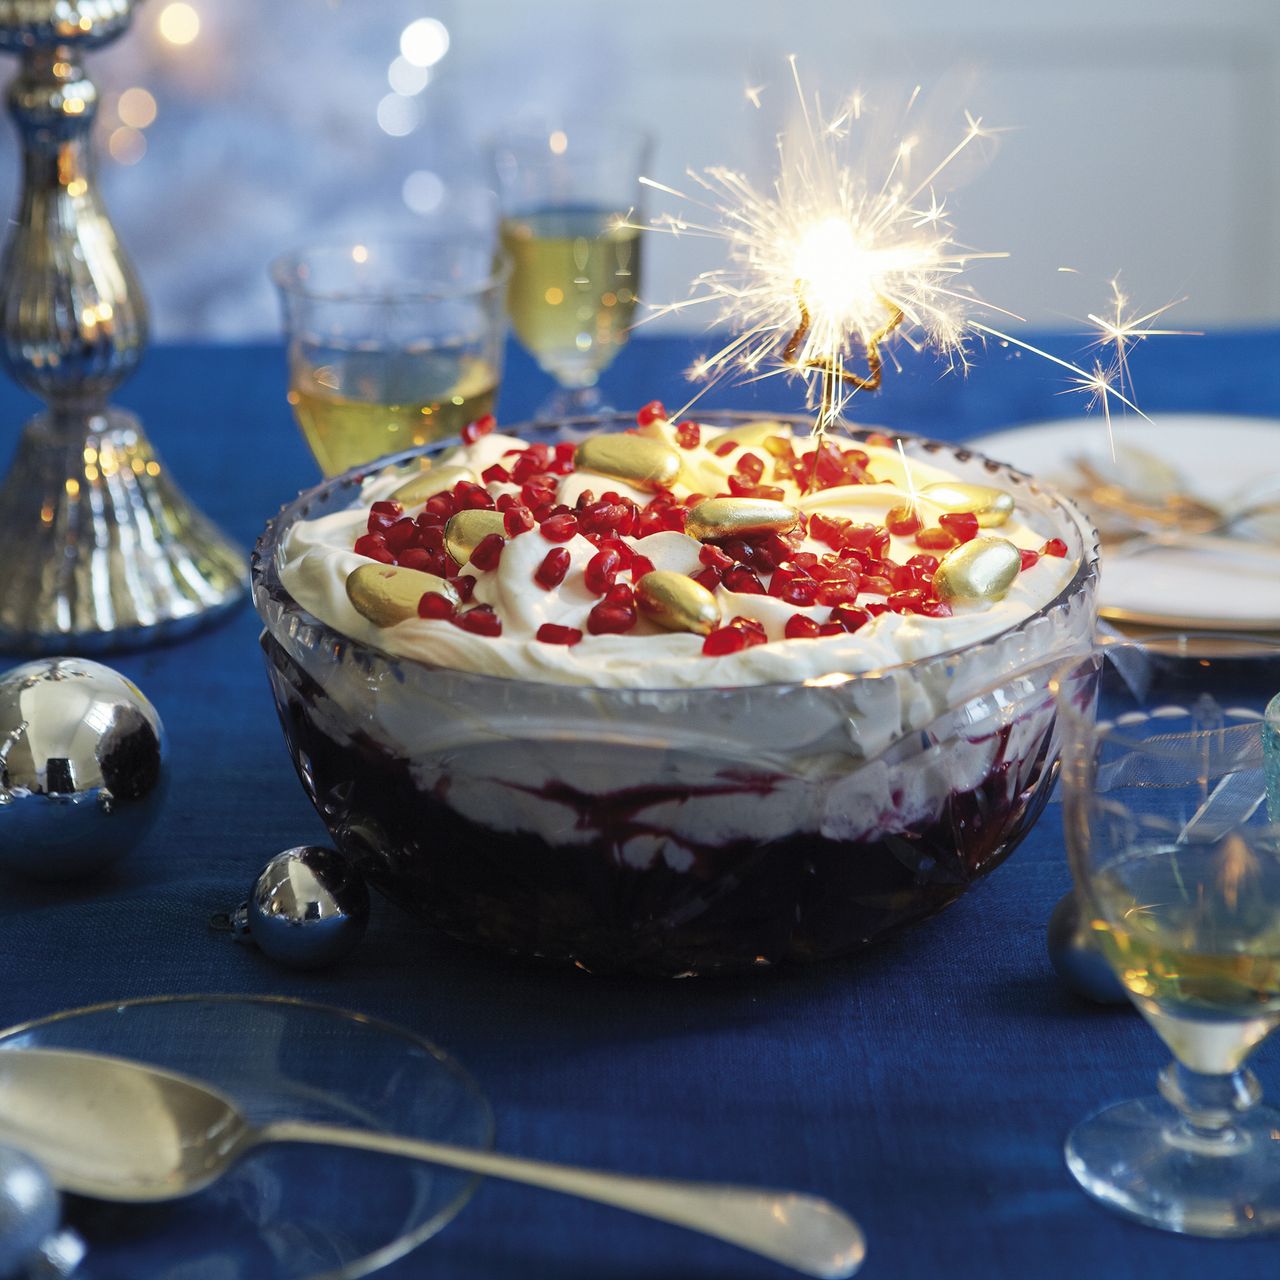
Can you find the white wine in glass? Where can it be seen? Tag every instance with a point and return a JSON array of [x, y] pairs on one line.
[[570, 201], [572, 295], [1176, 862], [391, 344]]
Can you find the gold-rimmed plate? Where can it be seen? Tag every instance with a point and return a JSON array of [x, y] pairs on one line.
[[1221, 457]]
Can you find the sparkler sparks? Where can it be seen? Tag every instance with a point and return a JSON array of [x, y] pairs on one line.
[[846, 255]]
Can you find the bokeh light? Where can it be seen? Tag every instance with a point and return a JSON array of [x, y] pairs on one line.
[[127, 146], [136, 108], [423, 191], [398, 115], [424, 42], [406, 78], [179, 23]]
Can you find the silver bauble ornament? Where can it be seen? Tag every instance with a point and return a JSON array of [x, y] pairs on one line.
[[82, 756], [1077, 960], [308, 908], [29, 1211]]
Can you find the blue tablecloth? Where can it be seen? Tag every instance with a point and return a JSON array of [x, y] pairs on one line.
[[926, 1085]]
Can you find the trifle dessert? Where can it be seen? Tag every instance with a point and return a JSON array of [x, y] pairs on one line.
[[675, 696]]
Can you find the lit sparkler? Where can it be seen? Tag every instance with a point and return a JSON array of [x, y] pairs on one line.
[[835, 262]]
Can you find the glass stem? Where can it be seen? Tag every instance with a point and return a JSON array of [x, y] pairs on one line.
[[1209, 1105]]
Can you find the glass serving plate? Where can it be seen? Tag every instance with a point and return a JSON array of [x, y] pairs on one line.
[[676, 831], [285, 1212]]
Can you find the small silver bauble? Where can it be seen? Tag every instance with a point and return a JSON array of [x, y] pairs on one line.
[[308, 908], [1077, 960], [29, 1211], [82, 756]]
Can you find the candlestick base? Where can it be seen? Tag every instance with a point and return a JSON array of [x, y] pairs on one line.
[[101, 550]]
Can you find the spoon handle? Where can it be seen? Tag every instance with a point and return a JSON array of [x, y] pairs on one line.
[[804, 1232]]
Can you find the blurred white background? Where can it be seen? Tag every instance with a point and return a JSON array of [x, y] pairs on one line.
[[1140, 135]]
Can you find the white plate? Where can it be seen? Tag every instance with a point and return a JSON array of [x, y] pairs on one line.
[[1220, 457]]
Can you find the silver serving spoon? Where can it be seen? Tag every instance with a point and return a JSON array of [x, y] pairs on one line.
[[118, 1130]]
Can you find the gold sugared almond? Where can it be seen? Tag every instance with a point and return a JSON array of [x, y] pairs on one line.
[[429, 483], [635, 460], [739, 517], [388, 593], [980, 569], [674, 601], [992, 506], [466, 530]]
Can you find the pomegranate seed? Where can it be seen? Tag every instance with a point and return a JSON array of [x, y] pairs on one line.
[[551, 633], [878, 586], [936, 539], [423, 560], [800, 591], [709, 554], [674, 519], [601, 570], [1029, 559], [880, 440], [640, 565], [435, 605], [621, 593], [379, 522], [962, 525], [801, 627], [442, 505], [610, 618], [831, 629], [906, 601], [465, 585], [388, 507], [652, 412], [902, 521], [482, 426], [559, 528], [688, 435], [481, 620], [431, 537], [374, 546], [772, 550], [725, 448], [565, 452], [936, 609], [401, 535], [496, 474], [1054, 547], [585, 499], [744, 580], [832, 530], [751, 466], [724, 640], [517, 520], [488, 551], [836, 592], [752, 628], [472, 497], [849, 617], [857, 537], [928, 563], [550, 573], [709, 577], [534, 460]]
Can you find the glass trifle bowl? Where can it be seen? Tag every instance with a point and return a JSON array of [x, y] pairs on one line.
[[659, 799]]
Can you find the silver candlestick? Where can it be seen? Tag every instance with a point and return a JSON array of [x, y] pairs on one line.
[[98, 547]]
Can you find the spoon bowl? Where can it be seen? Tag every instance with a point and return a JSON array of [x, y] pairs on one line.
[[118, 1130]]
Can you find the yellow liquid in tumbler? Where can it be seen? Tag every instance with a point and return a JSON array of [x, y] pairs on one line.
[[1194, 933], [354, 405], [572, 293]]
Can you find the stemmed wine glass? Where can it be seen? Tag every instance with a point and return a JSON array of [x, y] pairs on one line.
[[1177, 870], [570, 198]]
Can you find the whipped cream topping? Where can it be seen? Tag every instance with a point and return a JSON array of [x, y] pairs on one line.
[[319, 554]]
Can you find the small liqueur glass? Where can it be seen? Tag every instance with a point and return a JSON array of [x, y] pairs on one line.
[[1177, 869], [570, 198], [391, 344]]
